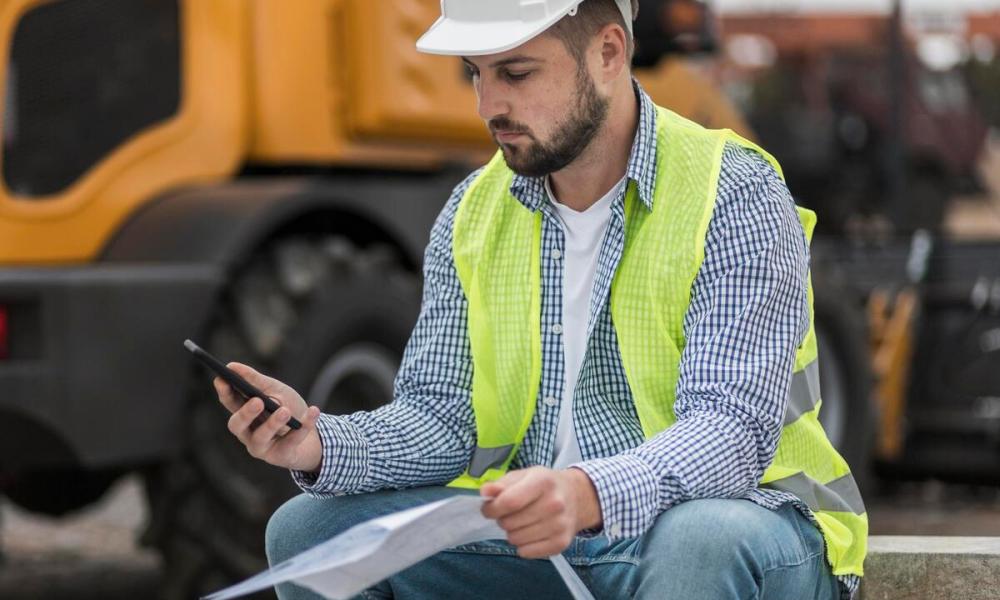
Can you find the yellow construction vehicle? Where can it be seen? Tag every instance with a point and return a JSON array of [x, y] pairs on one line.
[[257, 175]]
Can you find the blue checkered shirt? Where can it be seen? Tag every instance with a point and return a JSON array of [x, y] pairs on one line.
[[747, 315]]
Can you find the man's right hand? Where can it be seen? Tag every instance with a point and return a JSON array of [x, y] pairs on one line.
[[266, 436]]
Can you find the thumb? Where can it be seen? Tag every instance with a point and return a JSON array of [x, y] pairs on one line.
[[494, 488]]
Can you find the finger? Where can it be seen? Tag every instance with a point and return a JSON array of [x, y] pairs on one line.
[[227, 397], [546, 508], [240, 421], [268, 385], [266, 435], [295, 436], [537, 532], [287, 430], [518, 496], [286, 450], [492, 489]]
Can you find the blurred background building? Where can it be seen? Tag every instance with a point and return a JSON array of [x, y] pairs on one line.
[[849, 109]]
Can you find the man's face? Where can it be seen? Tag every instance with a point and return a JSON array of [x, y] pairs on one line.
[[541, 107]]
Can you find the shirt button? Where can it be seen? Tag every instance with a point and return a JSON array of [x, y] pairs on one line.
[[550, 401], [615, 530], [557, 329], [556, 255]]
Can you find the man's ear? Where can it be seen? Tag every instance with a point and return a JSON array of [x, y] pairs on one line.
[[613, 51]]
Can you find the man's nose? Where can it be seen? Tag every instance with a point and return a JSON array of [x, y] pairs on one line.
[[492, 104]]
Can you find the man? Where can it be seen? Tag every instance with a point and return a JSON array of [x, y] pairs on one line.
[[616, 329]]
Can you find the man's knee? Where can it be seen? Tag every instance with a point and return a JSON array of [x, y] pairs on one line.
[[287, 531], [717, 548], [305, 521], [711, 533]]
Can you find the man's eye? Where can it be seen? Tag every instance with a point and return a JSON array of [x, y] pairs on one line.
[[517, 76]]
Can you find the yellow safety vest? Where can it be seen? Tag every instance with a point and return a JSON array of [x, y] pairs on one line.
[[497, 250]]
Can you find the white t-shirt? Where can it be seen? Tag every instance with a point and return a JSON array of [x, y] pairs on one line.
[[584, 232]]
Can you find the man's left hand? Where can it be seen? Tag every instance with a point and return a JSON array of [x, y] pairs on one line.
[[542, 509]]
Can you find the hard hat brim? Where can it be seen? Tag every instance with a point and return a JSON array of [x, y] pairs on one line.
[[463, 38]]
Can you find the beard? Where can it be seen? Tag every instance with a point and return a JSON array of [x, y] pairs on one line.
[[570, 139]]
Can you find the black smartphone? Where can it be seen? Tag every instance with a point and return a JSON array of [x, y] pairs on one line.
[[242, 386]]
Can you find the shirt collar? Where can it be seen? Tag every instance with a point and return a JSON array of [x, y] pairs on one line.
[[530, 191]]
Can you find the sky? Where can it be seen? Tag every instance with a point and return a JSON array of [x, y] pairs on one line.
[[724, 6]]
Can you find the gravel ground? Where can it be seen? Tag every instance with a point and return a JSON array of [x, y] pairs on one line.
[[94, 554]]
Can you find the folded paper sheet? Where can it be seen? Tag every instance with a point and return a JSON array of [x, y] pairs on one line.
[[371, 552]]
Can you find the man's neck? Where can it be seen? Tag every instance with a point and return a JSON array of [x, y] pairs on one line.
[[604, 162]]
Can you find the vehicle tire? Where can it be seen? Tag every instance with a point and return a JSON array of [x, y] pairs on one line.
[[326, 317], [58, 491], [847, 414]]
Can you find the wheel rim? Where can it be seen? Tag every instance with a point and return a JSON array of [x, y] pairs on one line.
[[358, 377], [832, 415]]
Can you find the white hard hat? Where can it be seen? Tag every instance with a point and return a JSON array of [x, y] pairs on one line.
[[477, 27]]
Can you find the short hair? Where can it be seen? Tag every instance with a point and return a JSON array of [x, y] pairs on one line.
[[576, 31]]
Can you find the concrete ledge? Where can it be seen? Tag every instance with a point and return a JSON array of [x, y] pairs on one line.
[[931, 568]]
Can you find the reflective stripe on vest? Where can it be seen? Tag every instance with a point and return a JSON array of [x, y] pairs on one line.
[[497, 250], [484, 459], [839, 495], [804, 393]]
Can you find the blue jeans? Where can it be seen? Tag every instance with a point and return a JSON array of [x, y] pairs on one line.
[[702, 549]]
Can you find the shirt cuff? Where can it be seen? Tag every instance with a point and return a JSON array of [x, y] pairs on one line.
[[628, 494], [344, 466]]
